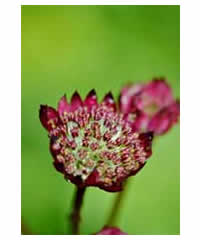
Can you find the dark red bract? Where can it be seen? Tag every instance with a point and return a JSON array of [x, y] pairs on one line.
[[93, 144], [111, 231], [157, 110]]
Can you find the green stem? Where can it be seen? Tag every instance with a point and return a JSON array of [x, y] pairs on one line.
[[24, 229], [118, 201], [75, 215]]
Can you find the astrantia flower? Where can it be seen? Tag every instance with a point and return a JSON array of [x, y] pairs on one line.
[[111, 231], [158, 111], [92, 143]]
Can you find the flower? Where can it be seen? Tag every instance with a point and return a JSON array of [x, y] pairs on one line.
[[111, 231], [92, 143], [157, 110]]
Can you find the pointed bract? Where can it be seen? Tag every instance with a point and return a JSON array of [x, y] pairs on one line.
[[48, 117], [118, 187], [93, 178], [109, 101], [91, 100], [76, 102], [63, 106]]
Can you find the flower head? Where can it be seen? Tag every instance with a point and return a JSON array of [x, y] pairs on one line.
[[111, 231], [158, 111], [92, 143]]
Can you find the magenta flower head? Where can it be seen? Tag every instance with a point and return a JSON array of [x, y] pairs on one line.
[[111, 231], [92, 143], [158, 111]]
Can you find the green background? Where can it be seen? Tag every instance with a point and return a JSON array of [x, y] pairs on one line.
[[68, 48]]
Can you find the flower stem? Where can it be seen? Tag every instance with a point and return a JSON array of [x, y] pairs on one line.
[[118, 201], [24, 229], [77, 204]]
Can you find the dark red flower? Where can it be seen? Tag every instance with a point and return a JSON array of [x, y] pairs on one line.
[[111, 231], [92, 143], [157, 110]]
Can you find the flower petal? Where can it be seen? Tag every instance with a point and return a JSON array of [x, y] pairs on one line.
[[117, 187], [157, 92], [144, 145], [48, 117], [76, 102], [63, 106], [111, 231], [141, 165], [109, 101], [59, 166], [75, 179], [91, 99], [165, 119], [93, 178], [141, 122], [137, 119], [126, 95]]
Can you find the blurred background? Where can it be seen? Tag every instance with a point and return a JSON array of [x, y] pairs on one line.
[[68, 48]]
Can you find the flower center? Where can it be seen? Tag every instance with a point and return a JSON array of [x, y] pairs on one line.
[[150, 106], [99, 140]]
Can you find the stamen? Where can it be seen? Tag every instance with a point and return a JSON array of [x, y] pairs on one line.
[[99, 139]]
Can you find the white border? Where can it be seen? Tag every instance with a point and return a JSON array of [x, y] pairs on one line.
[[11, 108], [190, 120], [98, 237], [101, 2], [10, 119]]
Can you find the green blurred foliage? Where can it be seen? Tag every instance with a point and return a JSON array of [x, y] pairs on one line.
[[67, 48]]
